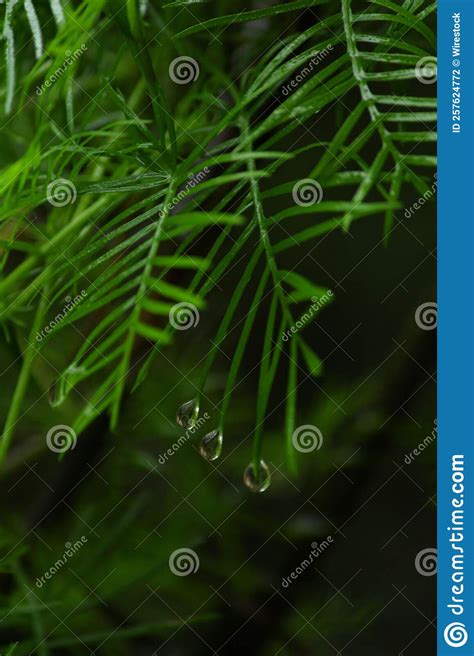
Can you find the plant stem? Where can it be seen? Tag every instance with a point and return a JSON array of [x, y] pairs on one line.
[[135, 316], [38, 630], [22, 383]]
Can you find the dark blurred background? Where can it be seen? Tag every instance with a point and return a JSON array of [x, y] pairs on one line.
[[374, 405]]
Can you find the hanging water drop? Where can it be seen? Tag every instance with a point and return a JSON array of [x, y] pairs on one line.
[[187, 414], [257, 479], [211, 445]]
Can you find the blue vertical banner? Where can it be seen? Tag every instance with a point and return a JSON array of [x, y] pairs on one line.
[[456, 327]]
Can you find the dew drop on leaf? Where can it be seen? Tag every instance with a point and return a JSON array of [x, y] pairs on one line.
[[211, 445], [187, 414], [257, 480]]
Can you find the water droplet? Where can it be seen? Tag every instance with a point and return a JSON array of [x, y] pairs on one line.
[[257, 479], [211, 445], [187, 414]]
